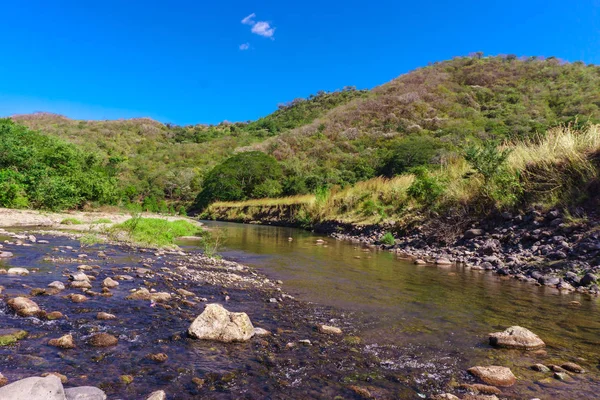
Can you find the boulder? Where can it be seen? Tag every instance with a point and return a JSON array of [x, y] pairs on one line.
[[110, 283], [79, 276], [57, 285], [103, 340], [158, 395], [540, 368], [80, 285], [34, 388], [9, 336], [63, 378], [3, 381], [85, 393], [185, 293], [51, 316], [64, 342], [480, 388], [5, 254], [77, 298], [18, 271], [588, 279], [572, 367], [443, 261], [516, 337], [23, 306], [144, 294], [494, 375], [445, 396], [216, 323]]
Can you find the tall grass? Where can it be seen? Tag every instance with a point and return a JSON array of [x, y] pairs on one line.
[[155, 231], [549, 169]]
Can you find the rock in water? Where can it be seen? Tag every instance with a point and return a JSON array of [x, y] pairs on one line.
[[216, 323], [110, 283], [572, 367], [24, 306], [331, 330], [105, 316], [494, 375], [64, 342], [34, 388], [516, 337], [18, 271], [85, 393], [158, 395], [103, 340]]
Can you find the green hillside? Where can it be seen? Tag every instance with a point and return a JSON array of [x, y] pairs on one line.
[[337, 139]]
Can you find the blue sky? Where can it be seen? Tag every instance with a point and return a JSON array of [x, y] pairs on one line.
[[196, 61]]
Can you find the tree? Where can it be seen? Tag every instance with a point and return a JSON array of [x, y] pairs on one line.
[[244, 176]]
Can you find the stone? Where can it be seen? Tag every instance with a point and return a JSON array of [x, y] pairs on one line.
[[9, 336], [216, 323], [159, 357], [34, 388], [261, 332], [126, 379], [103, 340], [85, 393], [572, 367], [3, 381], [23, 306], [330, 330], [63, 378], [494, 375], [57, 285], [79, 276], [77, 298], [18, 271], [473, 233], [588, 279], [480, 388], [516, 337], [105, 316], [5, 254], [144, 294], [540, 368], [64, 342], [443, 261], [419, 261], [445, 396], [54, 315], [185, 293], [80, 285], [561, 376], [110, 283], [158, 395]]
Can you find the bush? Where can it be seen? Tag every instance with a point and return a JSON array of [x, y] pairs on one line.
[[388, 239], [245, 176], [155, 231], [425, 188], [408, 153]]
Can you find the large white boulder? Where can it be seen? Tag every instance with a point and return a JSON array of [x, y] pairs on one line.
[[216, 323], [34, 388]]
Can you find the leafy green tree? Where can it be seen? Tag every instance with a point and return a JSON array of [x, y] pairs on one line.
[[410, 152], [243, 176]]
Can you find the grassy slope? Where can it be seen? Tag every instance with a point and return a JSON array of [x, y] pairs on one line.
[[560, 169]]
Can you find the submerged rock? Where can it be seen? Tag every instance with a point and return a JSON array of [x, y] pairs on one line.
[[34, 388], [158, 395], [572, 367], [10, 336], [144, 294], [516, 337], [103, 340], [85, 393], [23, 306], [216, 323], [105, 316], [159, 357], [494, 375], [18, 271]]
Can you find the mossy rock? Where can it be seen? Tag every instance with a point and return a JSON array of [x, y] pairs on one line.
[[10, 336]]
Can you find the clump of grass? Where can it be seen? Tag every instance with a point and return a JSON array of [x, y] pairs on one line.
[[388, 239], [89, 239], [155, 231], [71, 221]]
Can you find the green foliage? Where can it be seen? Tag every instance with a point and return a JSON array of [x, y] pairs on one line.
[[388, 239], [425, 188], [212, 240], [71, 221], [410, 152], [243, 176], [155, 231], [42, 172], [488, 160]]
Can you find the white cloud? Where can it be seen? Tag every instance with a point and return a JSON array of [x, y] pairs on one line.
[[261, 28], [244, 46], [248, 20]]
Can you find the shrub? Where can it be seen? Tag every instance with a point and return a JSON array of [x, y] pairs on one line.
[[425, 188], [488, 160], [70, 221], [155, 231], [408, 153], [388, 239]]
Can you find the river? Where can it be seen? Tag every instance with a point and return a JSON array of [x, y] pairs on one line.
[[442, 309]]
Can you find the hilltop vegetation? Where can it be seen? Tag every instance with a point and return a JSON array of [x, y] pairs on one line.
[[415, 125]]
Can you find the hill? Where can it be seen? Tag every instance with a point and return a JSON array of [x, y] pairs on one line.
[[423, 118]]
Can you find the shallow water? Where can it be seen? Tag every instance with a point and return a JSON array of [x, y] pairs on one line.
[[443, 310]]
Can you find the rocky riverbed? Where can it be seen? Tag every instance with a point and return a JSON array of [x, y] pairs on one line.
[[118, 318], [551, 248]]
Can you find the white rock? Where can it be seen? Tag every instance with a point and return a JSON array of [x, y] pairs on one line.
[[158, 395], [18, 271], [57, 285], [34, 388], [85, 393], [216, 323]]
